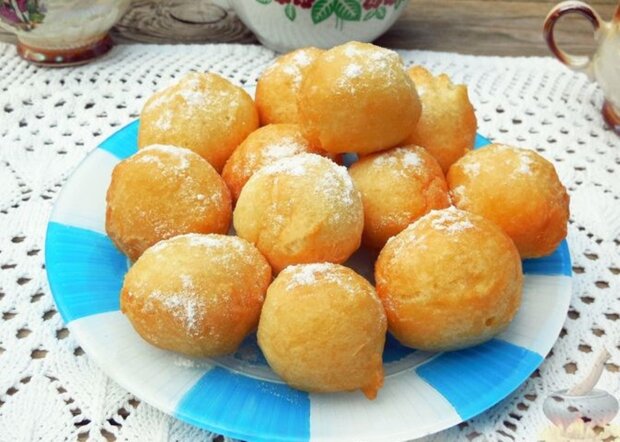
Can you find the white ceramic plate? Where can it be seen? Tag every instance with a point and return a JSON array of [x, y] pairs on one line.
[[238, 395]]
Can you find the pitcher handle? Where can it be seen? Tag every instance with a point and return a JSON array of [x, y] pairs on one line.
[[576, 62]]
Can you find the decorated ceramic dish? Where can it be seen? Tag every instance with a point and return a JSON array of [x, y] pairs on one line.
[[238, 395]]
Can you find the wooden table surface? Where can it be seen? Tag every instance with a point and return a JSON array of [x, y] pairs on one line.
[[480, 27]]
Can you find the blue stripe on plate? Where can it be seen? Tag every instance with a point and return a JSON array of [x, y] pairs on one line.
[[240, 406], [558, 263], [475, 379], [480, 141], [123, 143], [84, 269]]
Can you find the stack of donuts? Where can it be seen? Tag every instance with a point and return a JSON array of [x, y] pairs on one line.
[[450, 224]]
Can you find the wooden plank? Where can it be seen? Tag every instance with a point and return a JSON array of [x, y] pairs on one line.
[[489, 27], [482, 27]]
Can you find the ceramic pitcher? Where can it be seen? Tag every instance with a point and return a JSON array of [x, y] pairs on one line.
[[604, 65]]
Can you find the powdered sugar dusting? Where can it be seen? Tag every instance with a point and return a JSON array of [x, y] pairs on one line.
[[400, 156], [450, 220], [185, 305], [212, 241], [164, 122], [353, 70], [457, 195], [371, 62], [306, 274], [285, 147], [295, 165], [197, 90], [352, 50], [472, 168], [180, 154], [301, 58], [329, 180], [524, 163]]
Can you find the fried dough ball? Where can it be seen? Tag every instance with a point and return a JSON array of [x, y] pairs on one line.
[[322, 329], [202, 112], [518, 190], [450, 280], [278, 86], [199, 295], [397, 186], [263, 146], [164, 191], [447, 126], [301, 209], [357, 97]]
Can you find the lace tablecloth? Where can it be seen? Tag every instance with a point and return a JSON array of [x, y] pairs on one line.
[[51, 119]]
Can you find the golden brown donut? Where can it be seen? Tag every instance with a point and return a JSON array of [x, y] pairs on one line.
[[301, 209], [397, 186], [518, 190], [202, 112], [199, 295], [447, 126], [452, 279], [322, 329], [164, 191], [278, 86], [263, 146], [357, 97]]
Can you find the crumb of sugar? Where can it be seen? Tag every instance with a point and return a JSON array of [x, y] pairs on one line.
[[458, 195], [285, 147], [295, 165], [208, 240], [293, 71], [182, 304], [301, 58], [401, 155], [410, 158], [351, 51], [450, 220], [524, 163], [306, 274], [164, 122], [193, 98], [353, 70], [180, 154], [472, 169]]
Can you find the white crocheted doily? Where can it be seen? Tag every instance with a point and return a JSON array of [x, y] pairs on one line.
[[51, 118]]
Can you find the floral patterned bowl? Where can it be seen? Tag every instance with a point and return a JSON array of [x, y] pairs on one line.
[[61, 32], [283, 25]]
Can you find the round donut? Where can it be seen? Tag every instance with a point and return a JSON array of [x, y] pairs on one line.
[[357, 97], [199, 295], [322, 329], [202, 112], [518, 190], [164, 191], [450, 280], [447, 126], [263, 146], [397, 186], [301, 209], [278, 86]]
